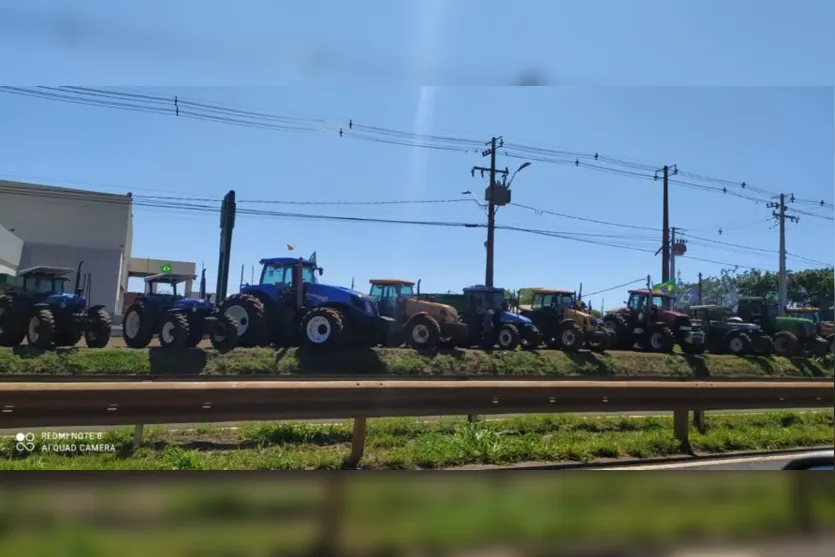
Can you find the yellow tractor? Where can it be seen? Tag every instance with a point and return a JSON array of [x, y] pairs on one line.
[[563, 323], [423, 324], [826, 329]]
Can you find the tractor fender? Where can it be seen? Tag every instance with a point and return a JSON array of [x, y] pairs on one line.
[[96, 307], [421, 314], [568, 320], [733, 332]]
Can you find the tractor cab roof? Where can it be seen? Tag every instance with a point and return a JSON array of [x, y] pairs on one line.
[[45, 271], [645, 292], [169, 278], [481, 288], [802, 309], [546, 291], [391, 282], [287, 261], [708, 306]]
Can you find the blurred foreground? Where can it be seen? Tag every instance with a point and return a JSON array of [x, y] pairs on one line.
[[463, 513]]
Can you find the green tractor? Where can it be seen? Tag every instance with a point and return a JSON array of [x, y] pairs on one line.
[[793, 336]]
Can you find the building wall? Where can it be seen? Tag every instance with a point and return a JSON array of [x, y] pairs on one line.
[[10, 250], [61, 226], [104, 266]]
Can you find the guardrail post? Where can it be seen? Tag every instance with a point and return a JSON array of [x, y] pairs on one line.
[[699, 420], [357, 444], [472, 418], [137, 436], [681, 427]]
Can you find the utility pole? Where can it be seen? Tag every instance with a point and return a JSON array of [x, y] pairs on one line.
[[700, 288], [665, 226], [781, 216], [227, 224], [497, 194]]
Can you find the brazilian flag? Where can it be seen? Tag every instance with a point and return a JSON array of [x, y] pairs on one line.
[[666, 287], [166, 269]]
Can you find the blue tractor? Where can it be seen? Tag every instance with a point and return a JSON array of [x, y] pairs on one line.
[[48, 312], [289, 307], [178, 321]]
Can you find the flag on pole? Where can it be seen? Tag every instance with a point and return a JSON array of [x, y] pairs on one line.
[[290, 247], [665, 287], [313, 257]]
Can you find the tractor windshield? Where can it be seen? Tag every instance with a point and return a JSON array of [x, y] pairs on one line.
[[283, 274], [555, 301], [41, 284], [811, 315], [391, 291]]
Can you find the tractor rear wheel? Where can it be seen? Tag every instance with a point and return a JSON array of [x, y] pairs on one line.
[[138, 325], [99, 328], [738, 344], [598, 341], [618, 325], [223, 333], [508, 337], [422, 332], [173, 333], [570, 336], [41, 330], [786, 344], [250, 315], [322, 328], [661, 338], [762, 345]]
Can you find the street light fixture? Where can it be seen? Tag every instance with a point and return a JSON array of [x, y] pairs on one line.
[[523, 166]]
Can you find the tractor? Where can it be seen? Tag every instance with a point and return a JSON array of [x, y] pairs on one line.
[[793, 336], [489, 323], [43, 309], [826, 329], [559, 316], [646, 324], [178, 321], [424, 324], [731, 335], [289, 307]]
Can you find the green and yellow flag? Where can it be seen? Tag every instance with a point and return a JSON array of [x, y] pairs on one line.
[[166, 269], [666, 287]]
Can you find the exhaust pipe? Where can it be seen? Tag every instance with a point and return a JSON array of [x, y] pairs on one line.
[[79, 288]]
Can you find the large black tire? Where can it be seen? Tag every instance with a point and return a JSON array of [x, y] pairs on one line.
[[422, 332], [322, 328], [690, 348], [223, 333], [831, 340], [570, 336], [174, 331], [138, 325], [67, 336], [623, 334], [531, 338], [598, 341], [11, 333], [99, 329], [738, 344], [819, 347], [786, 344], [508, 337], [660, 338], [250, 315], [762, 345], [40, 332], [196, 331]]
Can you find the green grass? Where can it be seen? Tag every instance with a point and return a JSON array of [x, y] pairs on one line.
[[400, 362], [411, 444]]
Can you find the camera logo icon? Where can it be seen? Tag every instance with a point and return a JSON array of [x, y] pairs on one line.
[[25, 442]]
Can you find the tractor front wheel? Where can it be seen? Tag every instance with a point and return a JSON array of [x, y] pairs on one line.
[[223, 333], [508, 337], [138, 325], [738, 344], [531, 338], [250, 315], [41, 330], [99, 328], [762, 346], [661, 339], [422, 332], [11, 334], [570, 335], [322, 328], [786, 344], [173, 334], [598, 341]]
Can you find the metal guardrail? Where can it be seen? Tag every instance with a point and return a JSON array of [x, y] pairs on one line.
[[28, 405]]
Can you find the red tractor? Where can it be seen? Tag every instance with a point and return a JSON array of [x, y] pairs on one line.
[[646, 323]]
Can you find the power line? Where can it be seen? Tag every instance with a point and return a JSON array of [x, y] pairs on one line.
[[217, 113], [624, 285]]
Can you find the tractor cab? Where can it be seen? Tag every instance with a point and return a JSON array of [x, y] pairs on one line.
[[482, 299], [389, 293], [172, 298], [649, 303], [810, 313], [278, 271], [711, 314], [51, 285], [545, 299]]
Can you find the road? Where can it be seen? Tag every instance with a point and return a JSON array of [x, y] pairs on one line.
[[427, 419], [744, 463]]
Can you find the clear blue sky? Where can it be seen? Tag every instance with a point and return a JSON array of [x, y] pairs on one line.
[[780, 139]]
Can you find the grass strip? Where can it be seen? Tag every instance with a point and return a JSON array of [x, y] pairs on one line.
[[401, 362], [413, 444]]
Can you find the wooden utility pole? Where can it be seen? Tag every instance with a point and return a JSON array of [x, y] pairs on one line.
[[781, 216], [665, 239]]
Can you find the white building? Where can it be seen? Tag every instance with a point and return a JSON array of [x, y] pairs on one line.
[[46, 225]]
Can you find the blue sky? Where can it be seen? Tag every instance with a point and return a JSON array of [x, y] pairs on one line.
[[776, 138]]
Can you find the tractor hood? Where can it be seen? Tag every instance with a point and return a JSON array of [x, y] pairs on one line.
[[514, 319], [66, 300], [194, 303]]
